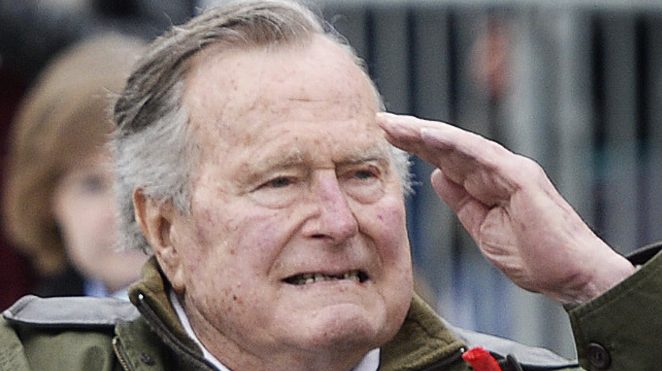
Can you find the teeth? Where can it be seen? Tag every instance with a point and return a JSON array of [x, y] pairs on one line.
[[307, 278], [354, 276]]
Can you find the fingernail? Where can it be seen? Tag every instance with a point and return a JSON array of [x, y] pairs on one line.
[[384, 121], [383, 117]]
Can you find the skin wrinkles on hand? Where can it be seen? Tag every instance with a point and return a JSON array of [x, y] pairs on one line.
[[512, 210]]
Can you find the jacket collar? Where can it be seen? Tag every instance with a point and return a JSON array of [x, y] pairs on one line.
[[423, 340], [150, 296]]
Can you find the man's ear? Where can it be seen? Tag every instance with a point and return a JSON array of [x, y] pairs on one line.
[[155, 219]]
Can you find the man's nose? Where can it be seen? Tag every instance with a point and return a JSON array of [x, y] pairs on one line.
[[335, 220]]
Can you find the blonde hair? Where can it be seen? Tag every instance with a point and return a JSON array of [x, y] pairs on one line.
[[64, 119]]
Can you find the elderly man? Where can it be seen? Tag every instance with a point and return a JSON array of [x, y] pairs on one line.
[[255, 165]]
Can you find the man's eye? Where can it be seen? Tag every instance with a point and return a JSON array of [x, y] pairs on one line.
[[278, 191], [364, 174], [280, 182], [364, 184]]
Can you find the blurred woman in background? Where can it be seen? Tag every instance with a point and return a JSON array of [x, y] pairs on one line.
[[59, 205]]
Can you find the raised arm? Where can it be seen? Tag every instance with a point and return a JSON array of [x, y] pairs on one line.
[[513, 212]]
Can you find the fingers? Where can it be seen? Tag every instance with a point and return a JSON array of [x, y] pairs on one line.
[[469, 210], [406, 132], [512, 210], [484, 168], [431, 138], [412, 135]]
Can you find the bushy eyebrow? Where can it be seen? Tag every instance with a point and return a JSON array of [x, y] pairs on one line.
[[256, 166], [295, 158], [380, 157], [292, 158]]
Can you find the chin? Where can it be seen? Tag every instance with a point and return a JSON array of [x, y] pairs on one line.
[[346, 328]]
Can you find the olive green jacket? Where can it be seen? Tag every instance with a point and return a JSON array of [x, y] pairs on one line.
[[618, 330]]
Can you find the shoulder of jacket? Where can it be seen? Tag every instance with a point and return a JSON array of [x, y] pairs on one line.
[[527, 356], [69, 312]]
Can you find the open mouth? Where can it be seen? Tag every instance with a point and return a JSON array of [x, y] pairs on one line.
[[308, 278]]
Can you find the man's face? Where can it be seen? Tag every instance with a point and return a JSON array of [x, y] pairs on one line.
[[296, 241]]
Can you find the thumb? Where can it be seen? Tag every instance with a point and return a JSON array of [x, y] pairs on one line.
[[469, 210]]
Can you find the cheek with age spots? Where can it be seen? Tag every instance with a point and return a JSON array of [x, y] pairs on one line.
[[389, 219]]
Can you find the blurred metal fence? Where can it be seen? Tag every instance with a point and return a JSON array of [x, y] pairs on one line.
[[576, 85]]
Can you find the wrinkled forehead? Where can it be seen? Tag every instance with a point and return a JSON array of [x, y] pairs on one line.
[[241, 91]]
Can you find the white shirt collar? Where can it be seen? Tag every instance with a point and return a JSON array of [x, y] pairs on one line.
[[370, 361], [189, 330]]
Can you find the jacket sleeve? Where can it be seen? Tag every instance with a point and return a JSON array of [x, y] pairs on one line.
[[620, 330], [12, 356]]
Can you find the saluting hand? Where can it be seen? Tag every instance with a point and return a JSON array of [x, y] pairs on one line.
[[513, 212]]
